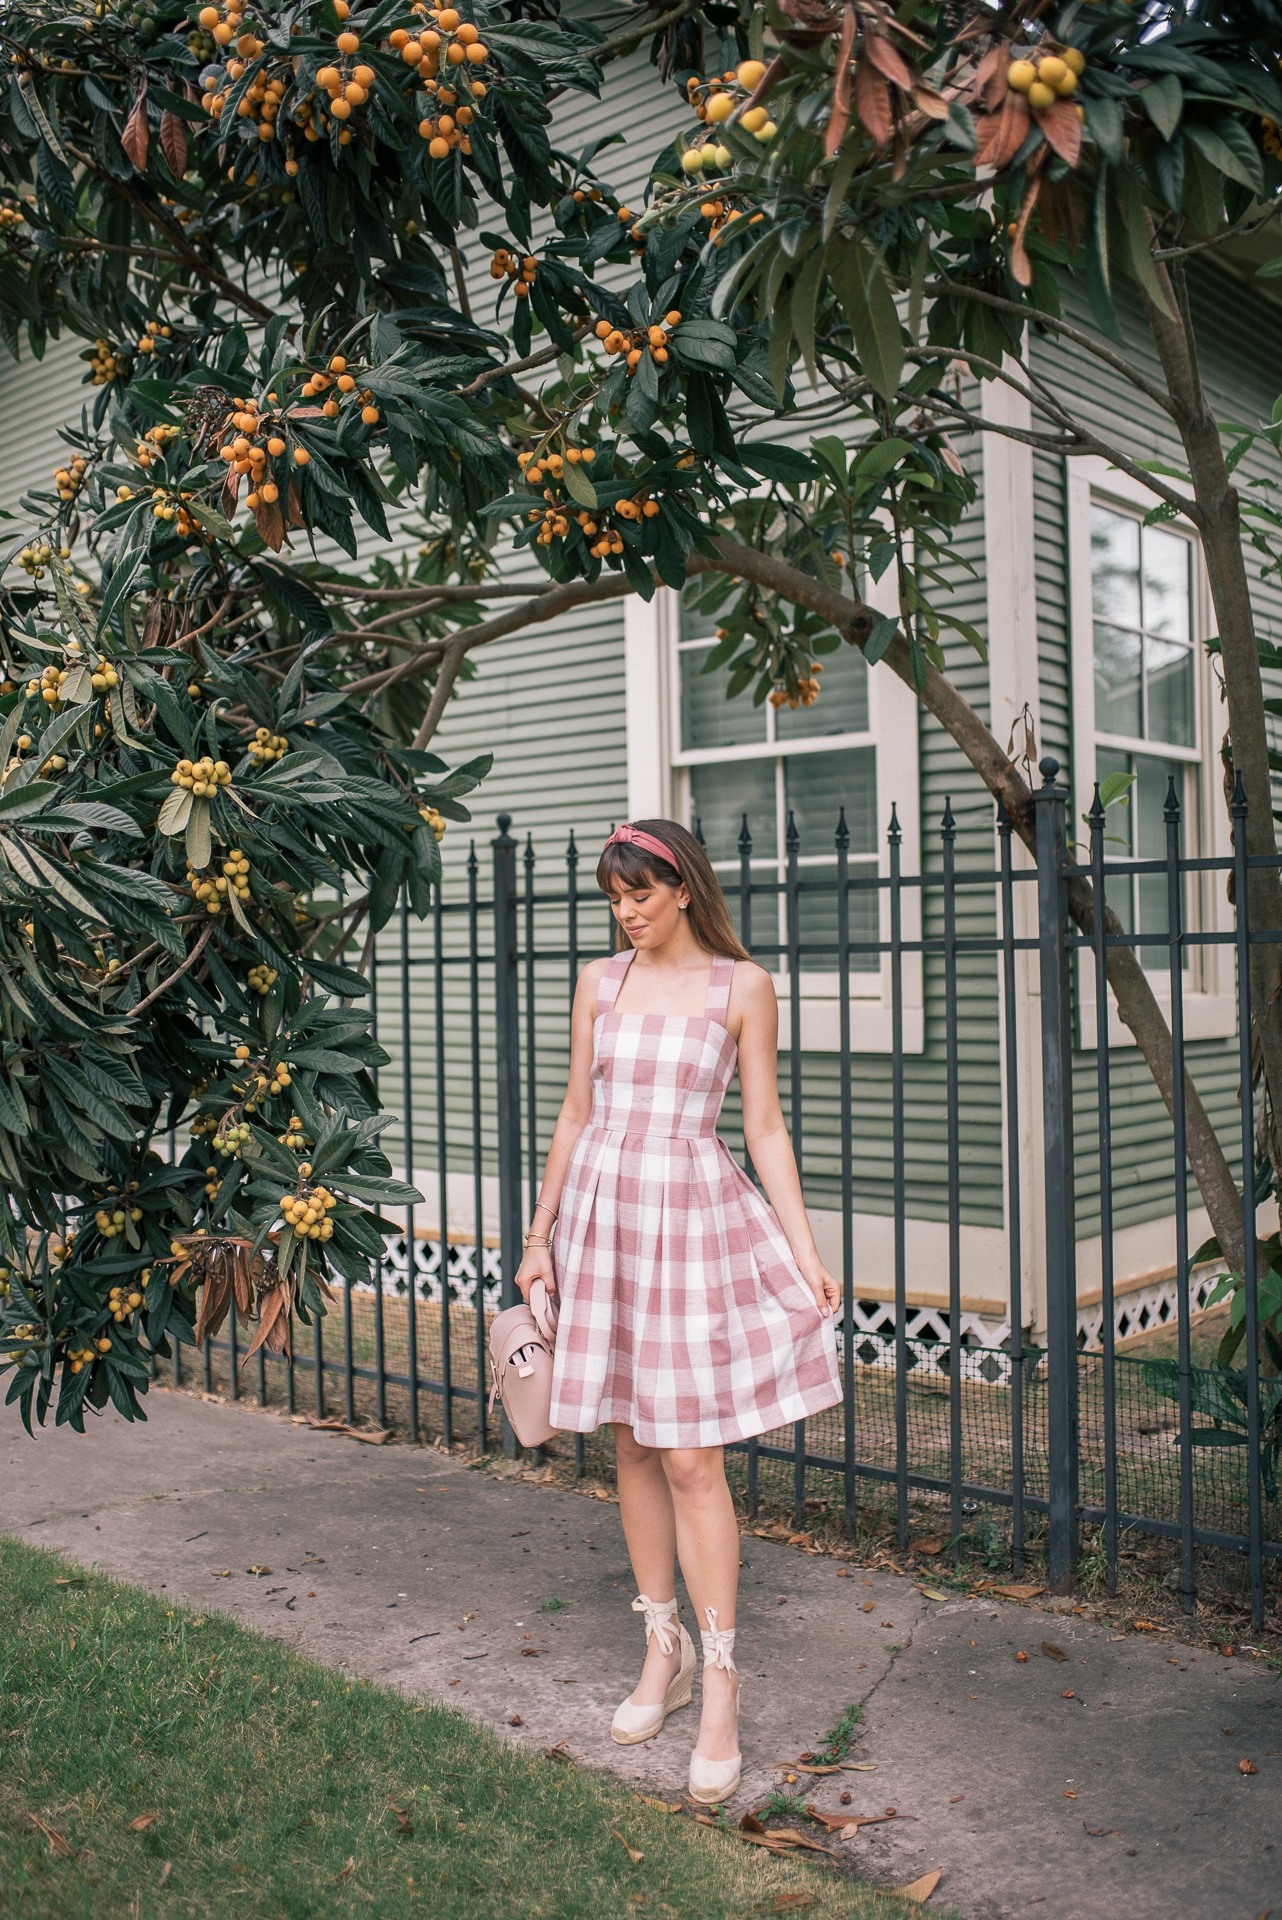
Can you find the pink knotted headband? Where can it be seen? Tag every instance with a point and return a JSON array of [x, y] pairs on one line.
[[633, 837]]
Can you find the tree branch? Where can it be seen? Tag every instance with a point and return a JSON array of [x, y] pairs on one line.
[[1158, 395], [542, 358], [177, 973], [441, 692], [177, 239]]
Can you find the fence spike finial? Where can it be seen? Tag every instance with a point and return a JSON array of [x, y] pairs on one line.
[[745, 839], [842, 835], [1171, 811], [792, 837], [894, 831], [1096, 814], [948, 825], [698, 830], [1237, 805]]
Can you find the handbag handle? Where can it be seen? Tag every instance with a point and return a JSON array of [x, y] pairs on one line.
[[543, 1307]]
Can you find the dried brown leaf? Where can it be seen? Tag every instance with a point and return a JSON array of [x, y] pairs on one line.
[[920, 1890], [143, 1821], [1247, 1766], [1063, 130], [989, 85], [839, 117], [872, 102], [173, 143], [1027, 1590], [57, 1844], [927, 101], [135, 137], [345, 1872], [270, 523], [1002, 134], [887, 59], [1053, 1652], [403, 1820], [633, 1854]]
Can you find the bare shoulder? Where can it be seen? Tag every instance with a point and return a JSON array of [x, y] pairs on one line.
[[753, 989], [590, 978]]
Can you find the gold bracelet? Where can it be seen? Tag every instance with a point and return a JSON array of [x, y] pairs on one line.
[[530, 1241], [542, 1205]]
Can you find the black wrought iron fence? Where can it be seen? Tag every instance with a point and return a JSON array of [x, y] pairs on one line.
[[937, 1404]]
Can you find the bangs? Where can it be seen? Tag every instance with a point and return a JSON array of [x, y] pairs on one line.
[[632, 866]]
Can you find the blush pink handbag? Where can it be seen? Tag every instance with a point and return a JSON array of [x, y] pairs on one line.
[[522, 1339]]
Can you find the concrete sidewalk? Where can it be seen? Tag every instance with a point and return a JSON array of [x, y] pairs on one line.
[[1108, 1779]]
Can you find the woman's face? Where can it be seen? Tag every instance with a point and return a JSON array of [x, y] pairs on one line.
[[649, 913]]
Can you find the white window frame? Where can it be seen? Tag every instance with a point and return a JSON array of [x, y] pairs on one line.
[[658, 786], [1209, 997]]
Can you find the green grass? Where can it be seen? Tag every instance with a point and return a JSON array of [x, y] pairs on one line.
[[276, 1782]]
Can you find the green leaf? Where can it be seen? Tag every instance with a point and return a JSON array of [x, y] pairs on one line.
[[211, 520], [577, 485], [1226, 143], [868, 301], [777, 463], [199, 848], [1163, 101], [705, 343], [875, 461], [1130, 204], [382, 1193], [879, 639], [176, 811]]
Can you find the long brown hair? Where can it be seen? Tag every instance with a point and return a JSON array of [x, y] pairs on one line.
[[628, 865]]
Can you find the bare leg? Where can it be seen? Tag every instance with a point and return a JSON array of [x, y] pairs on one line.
[[708, 1544], [649, 1527]]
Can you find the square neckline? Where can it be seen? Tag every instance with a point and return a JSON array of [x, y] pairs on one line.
[[716, 1003]]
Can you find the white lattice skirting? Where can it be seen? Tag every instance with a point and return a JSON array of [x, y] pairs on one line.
[[927, 1331]]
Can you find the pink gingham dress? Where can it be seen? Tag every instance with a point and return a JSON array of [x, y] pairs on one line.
[[682, 1312]]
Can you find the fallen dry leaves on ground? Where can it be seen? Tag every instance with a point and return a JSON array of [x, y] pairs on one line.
[[57, 1843], [920, 1890]]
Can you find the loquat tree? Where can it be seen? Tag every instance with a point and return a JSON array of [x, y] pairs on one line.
[[258, 217]]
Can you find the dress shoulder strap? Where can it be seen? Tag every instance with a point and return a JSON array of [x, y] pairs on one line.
[[607, 990], [719, 984]]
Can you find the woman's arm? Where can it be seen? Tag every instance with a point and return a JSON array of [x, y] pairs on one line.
[[573, 1117], [766, 1137]]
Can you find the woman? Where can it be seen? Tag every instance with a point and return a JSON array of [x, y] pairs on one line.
[[687, 1317]]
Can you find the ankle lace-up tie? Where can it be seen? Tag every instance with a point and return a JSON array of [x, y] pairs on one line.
[[718, 1644], [660, 1619]]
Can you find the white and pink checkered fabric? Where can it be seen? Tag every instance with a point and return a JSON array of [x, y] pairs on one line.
[[683, 1315]]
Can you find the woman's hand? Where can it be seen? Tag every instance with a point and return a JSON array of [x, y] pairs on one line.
[[826, 1290], [537, 1265]]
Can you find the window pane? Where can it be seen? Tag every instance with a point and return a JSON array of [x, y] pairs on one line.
[[708, 719], [816, 787], [1115, 566], [842, 706], [1119, 836], [1150, 828], [1166, 584], [1169, 669], [1117, 681], [721, 796]]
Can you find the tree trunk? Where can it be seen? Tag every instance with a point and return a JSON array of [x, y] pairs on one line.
[[1217, 518]]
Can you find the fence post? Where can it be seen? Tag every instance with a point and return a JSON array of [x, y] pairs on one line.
[[507, 1062], [1057, 1142]]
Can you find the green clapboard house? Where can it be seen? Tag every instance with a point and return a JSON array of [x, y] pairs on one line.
[[1094, 627]]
